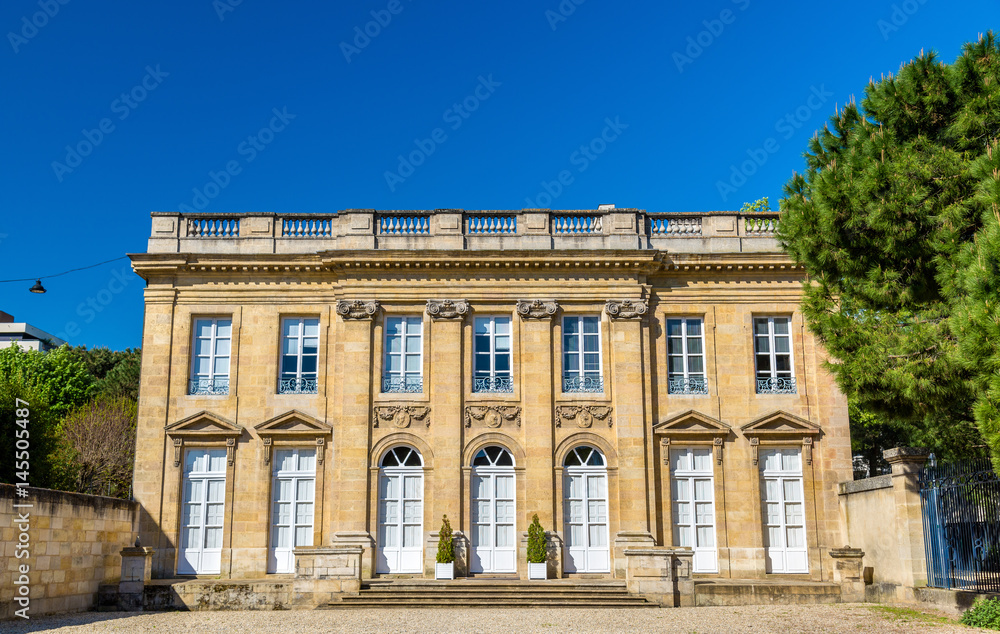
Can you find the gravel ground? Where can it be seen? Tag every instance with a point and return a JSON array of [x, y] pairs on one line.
[[823, 619]]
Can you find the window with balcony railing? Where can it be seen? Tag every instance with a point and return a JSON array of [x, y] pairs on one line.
[[404, 358], [686, 357], [210, 362], [582, 354], [299, 356], [773, 355], [492, 352]]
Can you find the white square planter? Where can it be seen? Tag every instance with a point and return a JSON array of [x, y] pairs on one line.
[[537, 571], [444, 571]]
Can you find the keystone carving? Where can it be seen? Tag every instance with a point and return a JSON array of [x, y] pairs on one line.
[[447, 308], [626, 309], [583, 415], [492, 415], [357, 309], [536, 308], [400, 416]]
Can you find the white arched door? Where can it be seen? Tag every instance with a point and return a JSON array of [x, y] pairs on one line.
[[494, 543], [401, 511], [585, 490]]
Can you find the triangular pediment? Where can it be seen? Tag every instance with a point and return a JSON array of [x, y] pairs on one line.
[[691, 423], [293, 422], [204, 424], [780, 423]]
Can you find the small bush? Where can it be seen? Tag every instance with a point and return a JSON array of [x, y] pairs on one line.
[[446, 547], [985, 614], [537, 552]]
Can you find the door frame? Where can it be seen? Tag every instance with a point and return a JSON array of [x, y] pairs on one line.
[[492, 472], [401, 472], [585, 472], [226, 512], [715, 505], [317, 506]]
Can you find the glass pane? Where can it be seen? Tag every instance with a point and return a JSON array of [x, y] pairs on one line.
[[793, 514], [222, 366], [310, 345], [413, 345], [394, 325], [702, 459], [502, 363], [675, 365], [792, 491], [572, 363], [283, 513], [192, 537], [217, 460], [393, 363], [309, 365], [502, 344], [311, 328], [390, 513], [213, 538], [502, 326], [695, 365], [576, 536], [412, 363], [411, 512], [574, 483], [781, 344], [772, 490], [279, 537], [771, 459], [598, 536], [390, 536], [413, 326], [703, 513], [192, 491], [591, 343], [482, 343], [223, 328], [571, 344], [289, 365], [781, 326], [694, 327], [595, 487], [682, 512], [216, 491], [505, 484], [304, 490], [222, 347], [202, 366], [213, 514], [411, 487], [590, 324], [575, 511], [694, 345], [675, 346], [703, 490], [393, 344], [774, 537], [706, 537], [772, 511], [307, 459], [783, 363], [484, 511], [192, 515], [481, 326], [390, 485], [304, 513], [796, 537], [674, 328], [571, 325], [679, 460], [684, 536], [760, 326], [596, 459], [597, 511], [482, 364], [682, 489], [762, 344], [791, 460], [505, 536], [203, 328], [304, 536]]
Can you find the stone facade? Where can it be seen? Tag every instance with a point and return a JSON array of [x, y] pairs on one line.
[[355, 271]]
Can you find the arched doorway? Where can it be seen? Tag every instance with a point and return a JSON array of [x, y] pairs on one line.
[[585, 492], [400, 511], [494, 540]]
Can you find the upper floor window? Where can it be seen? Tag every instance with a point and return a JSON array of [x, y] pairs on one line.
[[686, 357], [210, 363], [299, 356], [404, 358], [772, 346], [582, 354], [492, 367]]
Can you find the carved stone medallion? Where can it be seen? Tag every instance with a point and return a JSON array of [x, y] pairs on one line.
[[492, 415], [447, 308], [536, 308], [626, 309], [357, 309], [583, 415], [400, 416]]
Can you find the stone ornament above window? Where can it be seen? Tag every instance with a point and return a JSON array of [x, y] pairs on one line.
[[626, 309], [781, 428], [537, 308], [401, 416], [583, 415], [492, 415], [447, 308], [203, 427], [357, 309]]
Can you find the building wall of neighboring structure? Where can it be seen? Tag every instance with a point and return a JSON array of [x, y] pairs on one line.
[[74, 542], [644, 421]]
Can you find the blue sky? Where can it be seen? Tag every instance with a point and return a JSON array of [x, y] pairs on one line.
[[497, 98]]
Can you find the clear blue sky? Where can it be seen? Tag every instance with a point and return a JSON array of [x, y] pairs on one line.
[[544, 79]]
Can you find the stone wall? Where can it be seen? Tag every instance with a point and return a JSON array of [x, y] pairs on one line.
[[74, 542]]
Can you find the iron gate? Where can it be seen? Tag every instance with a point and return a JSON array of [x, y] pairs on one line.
[[961, 513]]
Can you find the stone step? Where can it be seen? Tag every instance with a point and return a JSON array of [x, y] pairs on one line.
[[568, 595], [481, 602], [764, 592]]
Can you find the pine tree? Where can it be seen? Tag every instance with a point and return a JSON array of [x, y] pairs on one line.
[[892, 221]]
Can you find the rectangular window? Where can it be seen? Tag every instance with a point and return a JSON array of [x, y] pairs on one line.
[[404, 358], [772, 346], [210, 363], [492, 366], [686, 357], [299, 356], [582, 355]]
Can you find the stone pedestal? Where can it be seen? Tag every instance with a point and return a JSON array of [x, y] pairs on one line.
[[628, 539], [661, 574], [362, 540], [848, 572], [906, 463], [324, 572], [137, 569]]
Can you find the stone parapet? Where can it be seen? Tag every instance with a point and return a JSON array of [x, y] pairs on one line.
[[661, 574], [322, 573]]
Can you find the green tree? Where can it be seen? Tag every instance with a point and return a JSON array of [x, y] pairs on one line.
[[98, 438], [893, 220]]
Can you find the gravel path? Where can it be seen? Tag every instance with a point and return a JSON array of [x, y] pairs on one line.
[[825, 619]]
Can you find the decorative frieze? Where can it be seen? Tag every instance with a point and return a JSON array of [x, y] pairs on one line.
[[583, 415], [536, 308], [400, 416], [492, 415], [447, 308], [626, 309], [357, 309]]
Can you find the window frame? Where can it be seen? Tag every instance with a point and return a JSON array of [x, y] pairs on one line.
[[583, 385], [195, 382], [688, 388], [494, 384], [773, 384], [404, 386], [302, 386]]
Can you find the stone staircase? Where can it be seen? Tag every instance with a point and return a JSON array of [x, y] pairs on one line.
[[492, 593]]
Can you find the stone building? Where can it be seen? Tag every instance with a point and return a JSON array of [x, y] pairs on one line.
[[640, 381]]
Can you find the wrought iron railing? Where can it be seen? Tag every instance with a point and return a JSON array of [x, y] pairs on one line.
[[577, 383], [402, 384], [216, 386], [493, 384], [298, 386], [690, 385], [776, 385], [961, 514]]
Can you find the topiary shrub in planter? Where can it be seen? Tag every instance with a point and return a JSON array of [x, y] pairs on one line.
[[445, 566], [984, 614], [537, 550]]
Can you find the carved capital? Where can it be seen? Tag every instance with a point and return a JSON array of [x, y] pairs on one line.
[[536, 308], [401, 416], [357, 309], [626, 309], [492, 415], [447, 308], [583, 415]]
